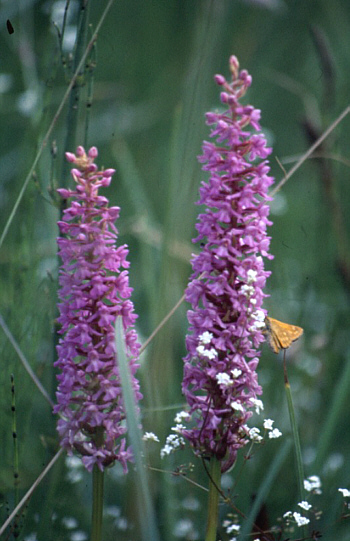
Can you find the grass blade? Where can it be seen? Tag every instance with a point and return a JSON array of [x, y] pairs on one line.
[[147, 516]]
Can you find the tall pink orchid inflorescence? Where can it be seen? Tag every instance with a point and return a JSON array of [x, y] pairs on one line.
[[94, 290], [226, 287]]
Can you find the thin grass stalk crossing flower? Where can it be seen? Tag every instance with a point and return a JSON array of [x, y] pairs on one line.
[[226, 288], [94, 290]]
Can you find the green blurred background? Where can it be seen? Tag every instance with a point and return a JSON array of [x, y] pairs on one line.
[[151, 81]]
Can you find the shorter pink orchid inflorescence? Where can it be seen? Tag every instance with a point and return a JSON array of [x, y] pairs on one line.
[[94, 291]]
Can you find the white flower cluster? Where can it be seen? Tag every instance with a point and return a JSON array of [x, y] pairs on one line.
[[305, 505], [231, 528], [258, 321], [313, 484], [181, 416], [254, 435], [224, 379], [236, 406], [258, 404], [204, 340], [150, 436], [248, 290], [252, 274], [273, 432], [175, 441], [298, 518]]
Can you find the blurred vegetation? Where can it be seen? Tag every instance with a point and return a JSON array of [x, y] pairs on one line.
[[150, 77]]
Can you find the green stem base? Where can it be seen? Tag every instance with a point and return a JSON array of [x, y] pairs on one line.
[[213, 500], [97, 504]]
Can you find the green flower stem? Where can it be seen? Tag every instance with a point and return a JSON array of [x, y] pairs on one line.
[[296, 439], [97, 504], [213, 500]]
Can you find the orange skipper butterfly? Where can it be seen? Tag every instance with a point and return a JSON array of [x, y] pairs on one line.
[[281, 335]]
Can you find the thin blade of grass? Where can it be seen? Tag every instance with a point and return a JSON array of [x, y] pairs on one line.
[[24, 361], [147, 516], [297, 447], [30, 491], [296, 439], [53, 123]]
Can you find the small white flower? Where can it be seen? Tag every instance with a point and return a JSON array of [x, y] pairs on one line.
[[259, 320], [251, 276], [181, 415], [268, 424], [166, 450], [247, 291], [223, 379], [287, 514], [206, 337], [211, 353], [172, 443], [275, 433], [345, 492], [259, 406], [233, 528], [300, 520], [313, 483], [207, 353], [305, 505], [257, 326], [200, 350], [254, 435], [237, 406], [150, 436], [236, 373], [174, 440], [178, 428], [259, 315]]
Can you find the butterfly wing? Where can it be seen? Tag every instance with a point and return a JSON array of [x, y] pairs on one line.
[[273, 342], [281, 335], [272, 335]]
